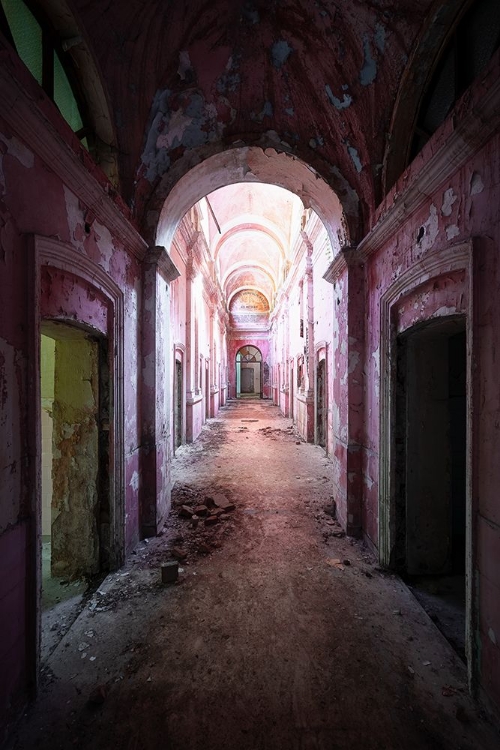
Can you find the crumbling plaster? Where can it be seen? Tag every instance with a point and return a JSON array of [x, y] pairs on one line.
[[237, 73]]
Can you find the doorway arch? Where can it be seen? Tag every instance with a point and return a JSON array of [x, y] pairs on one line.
[[248, 372], [172, 200]]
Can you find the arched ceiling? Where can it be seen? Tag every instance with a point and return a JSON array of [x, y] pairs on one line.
[[317, 80], [250, 229]]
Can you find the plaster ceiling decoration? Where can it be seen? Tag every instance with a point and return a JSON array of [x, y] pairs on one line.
[[251, 229]]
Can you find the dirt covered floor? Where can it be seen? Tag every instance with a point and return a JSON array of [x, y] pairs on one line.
[[280, 633]]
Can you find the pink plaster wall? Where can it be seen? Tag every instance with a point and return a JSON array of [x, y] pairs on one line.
[[465, 207], [34, 201]]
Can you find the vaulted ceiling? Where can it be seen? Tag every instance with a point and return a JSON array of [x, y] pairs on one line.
[[257, 225], [318, 80]]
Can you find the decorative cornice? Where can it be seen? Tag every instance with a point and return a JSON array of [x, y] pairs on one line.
[[347, 257], [159, 257], [31, 125], [467, 138]]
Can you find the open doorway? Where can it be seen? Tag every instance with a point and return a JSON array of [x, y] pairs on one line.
[[430, 455], [248, 372], [321, 408], [75, 414], [207, 391], [178, 405]]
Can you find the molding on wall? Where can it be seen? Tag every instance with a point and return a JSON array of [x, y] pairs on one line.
[[467, 138], [53, 253], [347, 257], [30, 124], [452, 258], [158, 256]]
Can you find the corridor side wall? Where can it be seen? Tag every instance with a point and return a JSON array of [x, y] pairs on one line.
[[465, 207], [35, 200]]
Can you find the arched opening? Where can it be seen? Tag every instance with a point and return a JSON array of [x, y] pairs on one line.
[[249, 372]]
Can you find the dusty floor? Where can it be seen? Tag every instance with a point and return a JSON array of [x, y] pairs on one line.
[[280, 633]]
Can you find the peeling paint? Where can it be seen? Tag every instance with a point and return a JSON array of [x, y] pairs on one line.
[[19, 151], [368, 72], [231, 79], [184, 65], [317, 141], [134, 481], [105, 244], [430, 229], [452, 231], [75, 217], [379, 37], [280, 52], [354, 358], [353, 153], [346, 101], [476, 184], [492, 636], [193, 122], [350, 198], [449, 199], [266, 111]]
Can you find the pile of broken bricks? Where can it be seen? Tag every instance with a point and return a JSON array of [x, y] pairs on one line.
[[214, 510]]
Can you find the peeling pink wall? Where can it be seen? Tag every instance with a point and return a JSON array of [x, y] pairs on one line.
[[33, 200], [465, 207]]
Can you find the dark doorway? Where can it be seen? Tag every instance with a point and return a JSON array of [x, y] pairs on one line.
[[430, 454], [321, 403], [178, 405]]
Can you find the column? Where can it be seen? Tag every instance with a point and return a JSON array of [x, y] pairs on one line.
[[346, 273], [156, 390]]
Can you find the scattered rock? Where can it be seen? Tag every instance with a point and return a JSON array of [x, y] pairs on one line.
[[334, 562], [211, 520], [169, 571], [186, 511], [179, 553], [216, 512], [223, 503], [201, 510]]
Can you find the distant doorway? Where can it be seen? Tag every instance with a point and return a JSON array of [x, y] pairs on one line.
[[178, 405], [248, 372], [430, 455], [207, 393], [321, 409]]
